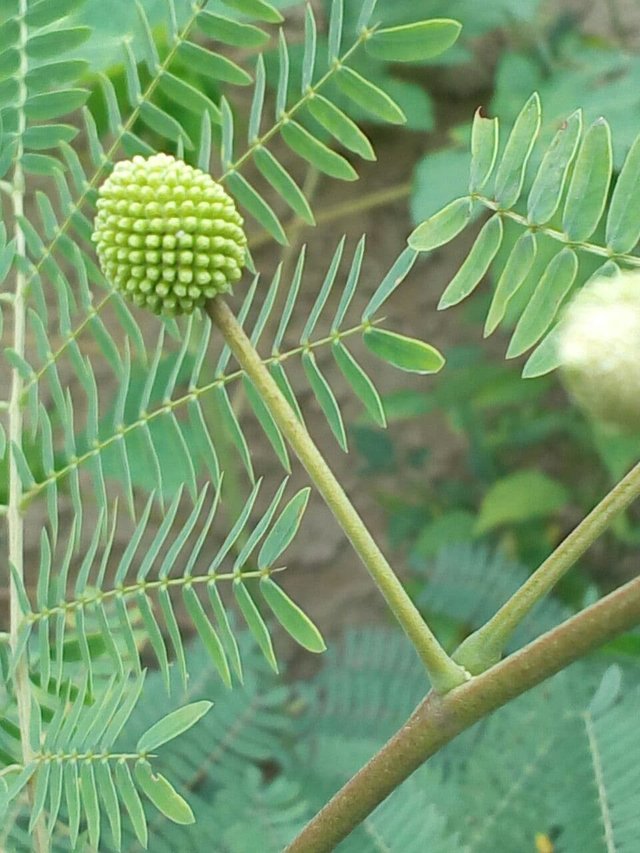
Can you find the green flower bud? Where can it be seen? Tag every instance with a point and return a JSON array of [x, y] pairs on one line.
[[168, 236], [599, 350]]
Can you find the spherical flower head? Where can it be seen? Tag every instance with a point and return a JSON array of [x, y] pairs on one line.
[[599, 350], [168, 236]]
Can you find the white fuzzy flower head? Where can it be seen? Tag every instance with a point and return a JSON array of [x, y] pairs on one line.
[[599, 350]]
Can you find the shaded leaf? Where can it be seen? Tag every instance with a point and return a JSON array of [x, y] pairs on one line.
[[519, 497]]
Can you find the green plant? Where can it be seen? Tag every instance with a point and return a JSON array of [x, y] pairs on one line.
[[143, 473]]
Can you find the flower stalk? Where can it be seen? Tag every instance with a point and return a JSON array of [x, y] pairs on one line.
[[443, 672]]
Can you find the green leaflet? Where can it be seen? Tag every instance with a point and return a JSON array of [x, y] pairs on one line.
[[256, 9], [283, 183], [163, 124], [46, 136], [341, 127], [546, 191], [213, 64], [107, 791], [405, 353], [413, 42], [515, 272], [207, 633], [587, 194], [187, 96], [41, 14], [512, 166], [55, 104], [89, 795], [545, 356], [369, 97], [317, 153], [231, 32], [72, 797], [623, 222], [442, 227], [267, 423], [325, 397], [484, 150], [360, 383], [476, 263], [255, 622], [262, 212], [284, 530], [53, 43], [163, 795], [55, 74], [131, 800], [172, 725], [291, 617], [543, 306]]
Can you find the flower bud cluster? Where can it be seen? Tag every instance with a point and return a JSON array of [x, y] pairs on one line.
[[168, 236]]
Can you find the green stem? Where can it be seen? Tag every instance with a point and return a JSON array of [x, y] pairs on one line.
[[443, 672], [439, 719], [483, 648]]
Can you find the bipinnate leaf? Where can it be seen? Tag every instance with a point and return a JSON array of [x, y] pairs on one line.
[[408, 354], [162, 794], [172, 725], [296, 623], [414, 42]]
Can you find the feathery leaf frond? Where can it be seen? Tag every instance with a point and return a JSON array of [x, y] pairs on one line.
[[558, 226]]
